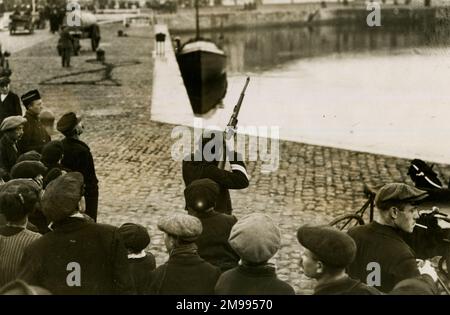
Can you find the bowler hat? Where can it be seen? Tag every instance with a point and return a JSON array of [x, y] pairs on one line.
[[62, 196], [67, 122], [12, 122], [331, 246], [398, 192], [255, 238], [30, 96], [135, 236], [201, 194], [183, 226]]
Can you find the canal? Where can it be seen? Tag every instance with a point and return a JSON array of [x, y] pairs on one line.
[[382, 90]]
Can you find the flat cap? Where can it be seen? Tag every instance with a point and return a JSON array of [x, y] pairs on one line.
[[201, 194], [30, 96], [135, 236], [331, 246], [12, 122], [62, 195], [29, 156], [28, 169], [255, 238], [186, 227], [398, 192], [67, 122]]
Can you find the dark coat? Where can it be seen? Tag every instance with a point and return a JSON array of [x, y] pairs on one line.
[[184, 274], [384, 245], [10, 106], [252, 280], [236, 179], [97, 248], [213, 243], [8, 156], [141, 271], [78, 158], [421, 285], [34, 135], [345, 286]]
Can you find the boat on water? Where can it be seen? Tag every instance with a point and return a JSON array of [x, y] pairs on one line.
[[203, 68]]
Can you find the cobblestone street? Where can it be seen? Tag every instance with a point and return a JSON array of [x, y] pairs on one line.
[[140, 182]]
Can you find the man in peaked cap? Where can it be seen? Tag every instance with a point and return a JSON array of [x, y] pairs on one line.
[[75, 243], [201, 197], [78, 158], [327, 252], [34, 134], [256, 239], [9, 101], [381, 244], [185, 272]]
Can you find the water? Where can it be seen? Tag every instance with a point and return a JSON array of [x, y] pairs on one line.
[[381, 90]]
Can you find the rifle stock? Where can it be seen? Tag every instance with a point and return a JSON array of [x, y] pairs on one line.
[[233, 122]]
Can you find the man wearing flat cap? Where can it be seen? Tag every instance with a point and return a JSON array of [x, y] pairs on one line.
[[9, 101], [78, 256], [78, 158], [12, 129], [34, 134], [256, 239], [185, 273], [201, 197], [381, 244], [327, 252]]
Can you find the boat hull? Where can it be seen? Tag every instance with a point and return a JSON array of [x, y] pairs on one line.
[[204, 76]]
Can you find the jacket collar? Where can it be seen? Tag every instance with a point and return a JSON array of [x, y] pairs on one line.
[[29, 114], [265, 270], [386, 230], [340, 286]]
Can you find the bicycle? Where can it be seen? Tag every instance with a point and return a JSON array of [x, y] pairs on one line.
[[347, 221]]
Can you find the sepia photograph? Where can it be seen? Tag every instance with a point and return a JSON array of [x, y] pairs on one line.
[[201, 148]]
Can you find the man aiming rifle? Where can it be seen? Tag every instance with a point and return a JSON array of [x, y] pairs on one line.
[[210, 163]]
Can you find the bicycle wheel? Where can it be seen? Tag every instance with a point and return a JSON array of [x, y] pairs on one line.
[[346, 221]]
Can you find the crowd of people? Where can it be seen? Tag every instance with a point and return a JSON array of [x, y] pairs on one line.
[[51, 243]]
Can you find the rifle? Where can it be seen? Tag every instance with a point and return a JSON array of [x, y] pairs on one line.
[[233, 122]]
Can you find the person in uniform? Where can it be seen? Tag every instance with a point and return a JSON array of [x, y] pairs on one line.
[[327, 252], [77, 157], [198, 166], [34, 134], [9, 102]]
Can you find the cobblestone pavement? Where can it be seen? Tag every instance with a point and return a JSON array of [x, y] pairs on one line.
[[139, 181]]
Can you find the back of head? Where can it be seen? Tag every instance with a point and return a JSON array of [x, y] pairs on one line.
[[255, 238], [18, 198], [181, 226], [62, 196], [52, 152], [398, 193], [135, 236], [201, 194], [331, 246]]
